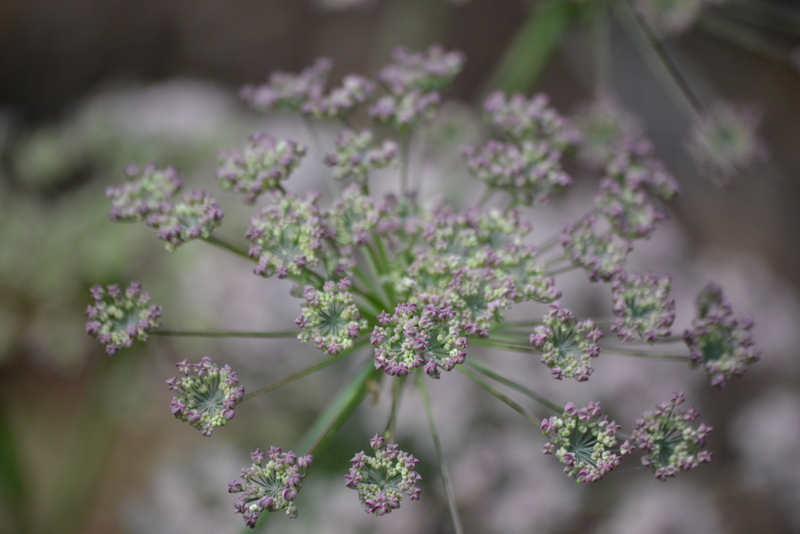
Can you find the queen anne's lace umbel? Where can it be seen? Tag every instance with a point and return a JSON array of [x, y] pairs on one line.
[[117, 318]]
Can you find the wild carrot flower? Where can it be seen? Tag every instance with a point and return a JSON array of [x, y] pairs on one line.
[[148, 190], [382, 479], [270, 484], [286, 236], [431, 338], [356, 155], [289, 92], [350, 220], [603, 125], [671, 443], [261, 166], [341, 101], [600, 255], [518, 119], [193, 216], [427, 71], [643, 306], [717, 342], [529, 171], [724, 142], [117, 319], [406, 110], [568, 346], [330, 318], [585, 441], [205, 394]]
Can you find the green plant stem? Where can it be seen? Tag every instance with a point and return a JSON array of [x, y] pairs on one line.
[[14, 491], [204, 333], [404, 157], [501, 345], [513, 385], [644, 354], [305, 372], [437, 443], [500, 396], [331, 420], [217, 242], [397, 394], [561, 270]]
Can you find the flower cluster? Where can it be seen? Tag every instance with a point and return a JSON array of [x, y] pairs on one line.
[[341, 101], [427, 71], [568, 346], [330, 318], [585, 441], [149, 196], [286, 236], [356, 155], [407, 339], [406, 110], [600, 255], [643, 306], [382, 479], [672, 444], [603, 125], [632, 194], [205, 394], [529, 169], [723, 141], [350, 220], [263, 164], [717, 342], [270, 484], [289, 92], [517, 119], [117, 319]]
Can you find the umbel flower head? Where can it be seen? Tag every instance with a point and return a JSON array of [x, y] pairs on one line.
[[407, 339], [643, 306], [270, 484], [517, 119], [289, 92], [330, 318], [585, 441], [717, 342], [568, 346], [600, 255], [356, 155], [205, 394], [427, 71], [117, 319], [149, 196], [341, 101], [671, 443], [382, 479], [263, 164]]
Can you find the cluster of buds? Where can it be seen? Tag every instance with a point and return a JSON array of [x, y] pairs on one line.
[[286, 236], [270, 484], [263, 164], [671, 443], [330, 319], [717, 342], [117, 319], [150, 196], [568, 346], [289, 92], [408, 339], [600, 255], [643, 306], [427, 71], [341, 101], [585, 441], [356, 155], [205, 394], [382, 479]]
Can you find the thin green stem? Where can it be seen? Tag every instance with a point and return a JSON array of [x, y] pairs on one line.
[[437, 443], [397, 394], [305, 372], [644, 354], [501, 345], [217, 242], [500, 396], [191, 333], [561, 270], [514, 385]]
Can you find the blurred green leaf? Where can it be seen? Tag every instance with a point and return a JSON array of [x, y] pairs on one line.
[[13, 490], [532, 47]]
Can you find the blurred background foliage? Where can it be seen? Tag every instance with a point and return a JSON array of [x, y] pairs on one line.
[[88, 86]]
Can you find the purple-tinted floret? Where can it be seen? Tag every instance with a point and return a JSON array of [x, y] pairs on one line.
[[205, 394], [600, 255], [289, 92], [568, 346], [330, 318], [356, 155], [520, 119], [342, 101], [382, 479], [427, 71], [670, 442], [117, 319], [717, 342], [585, 441], [271, 484], [643, 306]]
